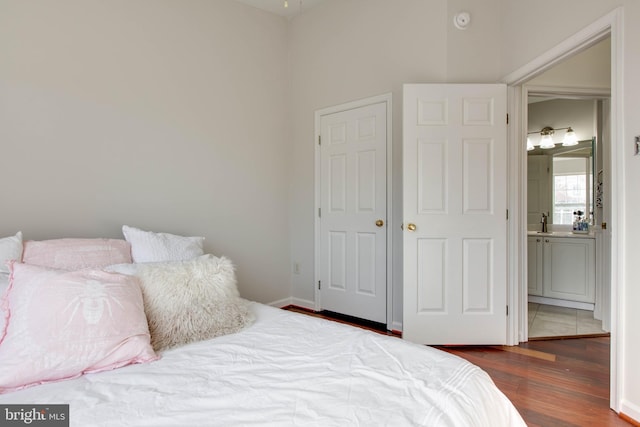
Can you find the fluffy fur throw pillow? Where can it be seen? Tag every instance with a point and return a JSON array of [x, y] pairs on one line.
[[191, 300]]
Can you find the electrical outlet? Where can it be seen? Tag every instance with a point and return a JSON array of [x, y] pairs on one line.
[[296, 268]]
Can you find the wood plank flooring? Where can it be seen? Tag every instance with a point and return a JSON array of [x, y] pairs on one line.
[[552, 383]]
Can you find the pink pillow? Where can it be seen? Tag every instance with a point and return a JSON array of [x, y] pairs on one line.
[[76, 254], [65, 324]]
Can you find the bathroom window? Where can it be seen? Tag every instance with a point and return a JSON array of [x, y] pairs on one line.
[[571, 188]]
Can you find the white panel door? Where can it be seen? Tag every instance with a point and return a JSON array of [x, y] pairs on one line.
[[353, 247], [454, 203]]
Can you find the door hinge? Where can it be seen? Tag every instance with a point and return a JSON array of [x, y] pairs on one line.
[[319, 285], [319, 212], [319, 139], [507, 214], [507, 310], [507, 119]]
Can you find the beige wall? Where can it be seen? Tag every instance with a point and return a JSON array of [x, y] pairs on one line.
[[162, 114], [558, 113], [588, 69], [196, 116], [532, 28]]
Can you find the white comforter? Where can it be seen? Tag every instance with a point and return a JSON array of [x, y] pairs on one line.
[[286, 370]]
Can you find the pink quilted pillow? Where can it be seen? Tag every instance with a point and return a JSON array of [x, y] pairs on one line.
[[65, 324], [76, 254]]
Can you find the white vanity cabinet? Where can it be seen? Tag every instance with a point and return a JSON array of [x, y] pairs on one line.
[[535, 263], [562, 267]]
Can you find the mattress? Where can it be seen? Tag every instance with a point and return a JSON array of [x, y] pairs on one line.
[[286, 369]]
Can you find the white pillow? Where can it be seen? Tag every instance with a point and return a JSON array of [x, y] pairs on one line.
[[147, 246], [10, 249]]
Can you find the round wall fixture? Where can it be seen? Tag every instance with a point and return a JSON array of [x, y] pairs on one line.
[[462, 20]]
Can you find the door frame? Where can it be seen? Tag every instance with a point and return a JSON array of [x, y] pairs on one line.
[[608, 25], [387, 99]]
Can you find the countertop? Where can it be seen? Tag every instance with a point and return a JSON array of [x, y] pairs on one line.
[[589, 235]]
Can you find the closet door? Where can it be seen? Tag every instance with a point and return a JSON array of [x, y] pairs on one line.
[[353, 212]]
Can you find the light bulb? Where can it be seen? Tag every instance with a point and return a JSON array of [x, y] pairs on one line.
[[546, 142], [529, 144], [570, 138]]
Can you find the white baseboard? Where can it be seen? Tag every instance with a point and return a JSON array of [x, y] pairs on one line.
[[281, 303], [630, 410], [293, 301], [303, 303]]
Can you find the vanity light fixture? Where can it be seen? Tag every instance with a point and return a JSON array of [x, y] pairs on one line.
[[546, 138]]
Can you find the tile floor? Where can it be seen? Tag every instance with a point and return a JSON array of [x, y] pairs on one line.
[[552, 321]]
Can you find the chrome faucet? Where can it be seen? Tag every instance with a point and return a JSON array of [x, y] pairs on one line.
[[543, 221]]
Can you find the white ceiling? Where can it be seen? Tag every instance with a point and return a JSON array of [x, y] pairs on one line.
[[277, 6]]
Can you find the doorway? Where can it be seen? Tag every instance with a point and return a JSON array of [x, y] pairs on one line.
[[565, 185], [607, 26]]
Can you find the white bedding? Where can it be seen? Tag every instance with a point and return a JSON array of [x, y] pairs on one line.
[[287, 369]]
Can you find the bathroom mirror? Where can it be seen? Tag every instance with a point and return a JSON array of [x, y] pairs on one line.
[[560, 179]]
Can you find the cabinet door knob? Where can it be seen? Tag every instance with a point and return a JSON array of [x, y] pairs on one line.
[[379, 223], [411, 227]]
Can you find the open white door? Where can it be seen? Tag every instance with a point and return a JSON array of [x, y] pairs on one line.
[[455, 213]]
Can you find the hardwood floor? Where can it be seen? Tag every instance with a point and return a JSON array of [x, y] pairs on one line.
[[551, 383]]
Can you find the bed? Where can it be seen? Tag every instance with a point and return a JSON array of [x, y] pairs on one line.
[[283, 369]]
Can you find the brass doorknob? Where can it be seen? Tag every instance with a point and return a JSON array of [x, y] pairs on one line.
[[379, 223], [411, 227]]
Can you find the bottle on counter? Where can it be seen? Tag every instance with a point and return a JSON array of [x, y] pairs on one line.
[[580, 222]]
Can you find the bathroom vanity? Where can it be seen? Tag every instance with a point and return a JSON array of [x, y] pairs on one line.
[[561, 269]]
